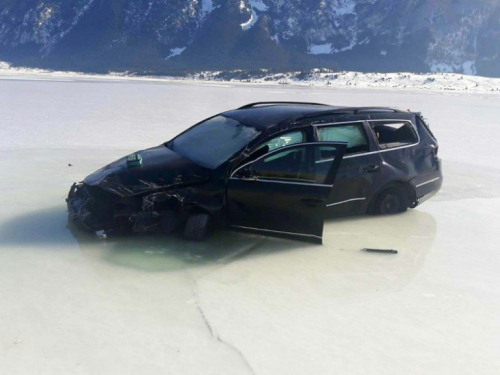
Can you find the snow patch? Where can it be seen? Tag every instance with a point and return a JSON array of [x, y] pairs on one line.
[[259, 5], [252, 21], [254, 4], [345, 7], [469, 68], [207, 6], [320, 49], [383, 52], [349, 47], [450, 82], [175, 52], [441, 68]]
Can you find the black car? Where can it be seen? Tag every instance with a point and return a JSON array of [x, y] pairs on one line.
[[268, 167]]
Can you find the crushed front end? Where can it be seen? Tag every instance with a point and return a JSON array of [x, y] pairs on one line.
[[154, 191], [92, 209]]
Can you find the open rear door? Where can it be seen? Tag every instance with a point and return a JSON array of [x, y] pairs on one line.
[[284, 192]]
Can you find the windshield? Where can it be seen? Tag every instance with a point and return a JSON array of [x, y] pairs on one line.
[[214, 141]]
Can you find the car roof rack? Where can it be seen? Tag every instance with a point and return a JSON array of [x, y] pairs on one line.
[[251, 105]]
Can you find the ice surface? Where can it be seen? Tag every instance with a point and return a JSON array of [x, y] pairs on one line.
[[73, 303]]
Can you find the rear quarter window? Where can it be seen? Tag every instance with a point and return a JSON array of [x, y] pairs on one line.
[[390, 134], [352, 134]]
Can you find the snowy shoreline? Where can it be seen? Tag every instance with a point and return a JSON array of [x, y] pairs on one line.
[[440, 82]]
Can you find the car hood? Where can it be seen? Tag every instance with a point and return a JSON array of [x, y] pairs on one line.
[[161, 168]]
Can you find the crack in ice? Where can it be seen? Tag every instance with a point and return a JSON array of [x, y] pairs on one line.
[[213, 332]]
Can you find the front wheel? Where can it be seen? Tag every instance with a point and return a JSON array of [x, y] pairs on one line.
[[390, 201], [198, 227]]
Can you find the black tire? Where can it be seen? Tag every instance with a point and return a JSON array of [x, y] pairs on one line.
[[390, 201], [198, 227], [168, 223]]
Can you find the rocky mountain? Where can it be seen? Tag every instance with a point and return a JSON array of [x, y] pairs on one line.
[[169, 36]]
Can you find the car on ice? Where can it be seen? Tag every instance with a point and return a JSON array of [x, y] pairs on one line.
[[276, 168]]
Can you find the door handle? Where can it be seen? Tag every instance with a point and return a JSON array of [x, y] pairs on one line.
[[311, 202], [372, 168]]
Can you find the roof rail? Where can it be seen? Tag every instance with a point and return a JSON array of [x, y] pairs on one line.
[[251, 105], [353, 111], [375, 110]]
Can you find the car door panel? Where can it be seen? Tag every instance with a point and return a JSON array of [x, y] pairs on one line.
[[284, 199], [357, 177], [359, 170]]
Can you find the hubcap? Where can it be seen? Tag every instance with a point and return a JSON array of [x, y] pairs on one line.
[[390, 204]]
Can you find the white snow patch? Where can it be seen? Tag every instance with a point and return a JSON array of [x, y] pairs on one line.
[[400, 81], [253, 19], [207, 6], [469, 68], [344, 8], [175, 52], [254, 4], [259, 5], [347, 48], [450, 82], [441, 68], [320, 49]]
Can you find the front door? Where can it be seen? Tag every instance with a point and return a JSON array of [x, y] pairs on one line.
[[284, 192]]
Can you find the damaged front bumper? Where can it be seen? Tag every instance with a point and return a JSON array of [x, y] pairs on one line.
[[79, 205], [92, 209], [110, 215]]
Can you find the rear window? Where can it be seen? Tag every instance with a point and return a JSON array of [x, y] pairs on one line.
[[352, 134], [391, 134], [425, 123]]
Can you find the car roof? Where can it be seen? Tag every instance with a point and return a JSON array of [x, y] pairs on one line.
[[263, 115]]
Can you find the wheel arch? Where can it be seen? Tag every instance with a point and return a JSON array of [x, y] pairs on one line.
[[405, 186]]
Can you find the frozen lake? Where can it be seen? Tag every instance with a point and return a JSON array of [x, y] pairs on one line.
[[71, 303]]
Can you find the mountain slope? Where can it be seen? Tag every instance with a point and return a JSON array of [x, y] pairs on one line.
[[175, 35]]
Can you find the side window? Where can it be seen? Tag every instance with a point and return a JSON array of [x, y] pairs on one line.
[[300, 163], [352, 134], [394, 133], [284, 140], [285, 165]]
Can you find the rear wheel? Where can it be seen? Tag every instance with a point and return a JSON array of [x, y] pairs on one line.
[[198, 227], [390, 201]]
